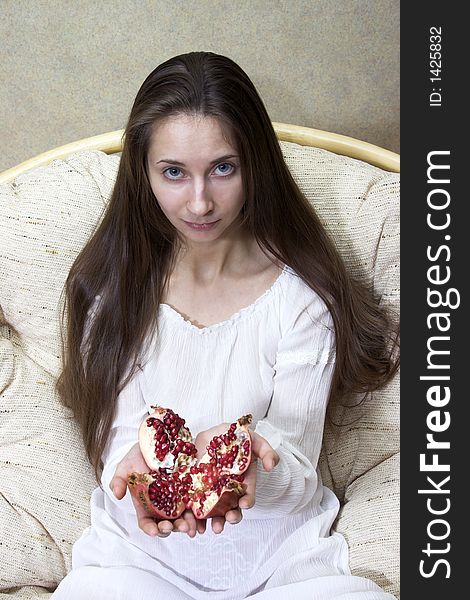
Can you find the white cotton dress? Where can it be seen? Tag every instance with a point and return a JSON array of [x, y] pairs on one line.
[[273, 359]]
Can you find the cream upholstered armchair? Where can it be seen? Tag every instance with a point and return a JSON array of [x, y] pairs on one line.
[[48, 209]]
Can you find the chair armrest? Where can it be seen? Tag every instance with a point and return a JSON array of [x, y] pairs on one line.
[[370, 522]]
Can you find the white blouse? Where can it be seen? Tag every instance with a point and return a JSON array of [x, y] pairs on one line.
[[275, 360]]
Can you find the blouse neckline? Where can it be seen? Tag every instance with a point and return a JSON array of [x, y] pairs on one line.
[[243, 312]]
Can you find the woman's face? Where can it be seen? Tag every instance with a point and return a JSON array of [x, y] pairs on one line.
[[194, 172]]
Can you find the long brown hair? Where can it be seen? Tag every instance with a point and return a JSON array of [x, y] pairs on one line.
[[129, 257]]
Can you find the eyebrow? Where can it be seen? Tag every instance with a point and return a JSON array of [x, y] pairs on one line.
[[213, 162]]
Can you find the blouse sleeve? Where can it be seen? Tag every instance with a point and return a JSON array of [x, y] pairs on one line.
[[131, 410], [294, 421]]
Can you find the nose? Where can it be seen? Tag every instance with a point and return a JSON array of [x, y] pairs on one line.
[[200, 201]]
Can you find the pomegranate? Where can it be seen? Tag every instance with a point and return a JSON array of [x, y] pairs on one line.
[[177, 480], [164, 441]]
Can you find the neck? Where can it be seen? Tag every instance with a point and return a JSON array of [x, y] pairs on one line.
[[208, 263]]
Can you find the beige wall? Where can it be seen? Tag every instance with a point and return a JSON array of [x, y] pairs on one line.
[[70, 69]]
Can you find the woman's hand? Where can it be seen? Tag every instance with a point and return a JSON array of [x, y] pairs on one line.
[[260, 449], [134, 462]]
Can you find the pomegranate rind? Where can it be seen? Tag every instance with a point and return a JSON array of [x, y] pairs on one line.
[[139, 485], [147, 442], [215, 504]]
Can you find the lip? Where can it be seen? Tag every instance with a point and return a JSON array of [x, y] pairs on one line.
[[201, 226]]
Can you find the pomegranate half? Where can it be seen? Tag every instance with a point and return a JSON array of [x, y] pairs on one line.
[[177, 480]]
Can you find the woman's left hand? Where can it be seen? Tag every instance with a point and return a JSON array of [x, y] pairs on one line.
[[260, 449]]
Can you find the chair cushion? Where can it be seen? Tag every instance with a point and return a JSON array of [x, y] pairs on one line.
[[46, 482], [47, 216], [370, 522], [359, 206]]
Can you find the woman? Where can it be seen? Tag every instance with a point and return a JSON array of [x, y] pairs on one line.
[[210, 287]]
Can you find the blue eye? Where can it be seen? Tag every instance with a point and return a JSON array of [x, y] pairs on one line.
[[175, 173], [225, 168], [172, 173]]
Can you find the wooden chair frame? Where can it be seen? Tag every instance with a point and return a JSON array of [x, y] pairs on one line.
[[111, 142]]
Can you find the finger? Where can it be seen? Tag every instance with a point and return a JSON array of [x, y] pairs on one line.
[[147, 523], [118, 486], [234, 516], [263, 450], [180, 525], [186, 523], [201, 525], [218, 524], [191, 520], [150, 527], [118, 483], [248, 499], [164, 528]]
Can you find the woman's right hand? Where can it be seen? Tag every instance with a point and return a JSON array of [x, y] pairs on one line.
[[134, 462]]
